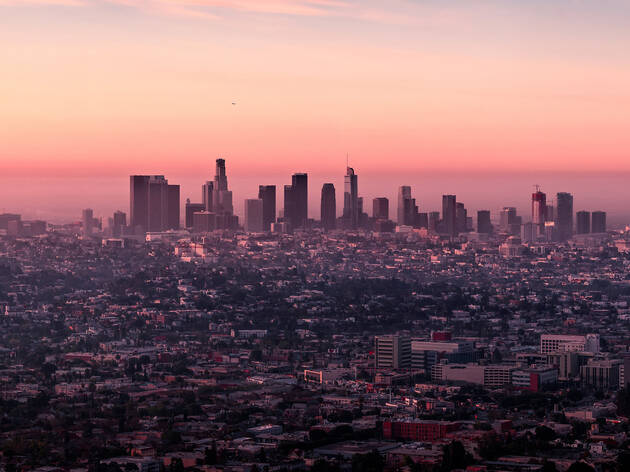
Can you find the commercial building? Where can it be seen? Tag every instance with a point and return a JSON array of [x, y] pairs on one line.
[[598, 222], [484, 225], [324, 376], [407, 208], [350, 199], [490, 376], [583, 222], [87, 221], [564, 216], [425, 354], [550, 343], [566, 362], [601, 374], [449, 215], [535, 379], [392, 352], [509, 222], [418, 430], [380, 208], [154, 204], [539, 212], [254, 220], [328, 207], [191, 209], [267, 193], [296, 201]]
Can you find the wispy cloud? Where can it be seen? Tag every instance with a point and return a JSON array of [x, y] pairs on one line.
[[42, 2], [211, 8]]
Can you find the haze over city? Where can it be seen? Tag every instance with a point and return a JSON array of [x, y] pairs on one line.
[[314, 236]]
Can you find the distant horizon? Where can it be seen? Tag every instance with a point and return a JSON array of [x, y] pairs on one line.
[[61, 200], [464, 97]]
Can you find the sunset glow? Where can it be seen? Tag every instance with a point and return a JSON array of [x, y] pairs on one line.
[[126, 86]]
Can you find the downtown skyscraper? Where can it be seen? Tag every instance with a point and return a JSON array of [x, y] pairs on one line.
[[598, 222], [539, 212], [267, 193], [222, 197], [380, 208], [254, 215], [328, 207], [449, 215], [296, 201], [583, 222], [407, 208], [351, 199], [154, 204], [216, 210], [564, 216], [484, 224]]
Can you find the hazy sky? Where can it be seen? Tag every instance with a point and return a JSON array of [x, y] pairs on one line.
[[404, 86]]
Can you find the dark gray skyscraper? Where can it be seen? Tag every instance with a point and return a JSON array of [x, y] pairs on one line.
[[598, 222], [119, 223], [154, 204], [139, 203], [404, 193], [449, 214], [328, 207], [380, 208], [158, 203], [254, 215], [564, 215], [267, 193], [222, 197], [484, 224], [173, 208], [87, 220], [289, 205], [296, 201], [407, 208], [461, 216], [583, 222], [351, 199], [433, 220], [207, 195]]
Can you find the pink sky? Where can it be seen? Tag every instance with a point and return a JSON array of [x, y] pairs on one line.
[[121, 86]]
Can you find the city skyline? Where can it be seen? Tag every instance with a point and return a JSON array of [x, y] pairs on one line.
[[154, 207], [502, 193]]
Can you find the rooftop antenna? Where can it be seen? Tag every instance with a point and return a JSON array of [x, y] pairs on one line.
[[347, 160], [537, 187]]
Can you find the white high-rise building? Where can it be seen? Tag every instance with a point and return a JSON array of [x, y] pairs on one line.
[[550, 343]]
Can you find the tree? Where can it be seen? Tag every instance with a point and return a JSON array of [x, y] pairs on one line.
[[211, 454], [623, 461], [580, 467], [370, 462], [455, 457], [176, 465], [623, 402], [321, 465], [544, 433]]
